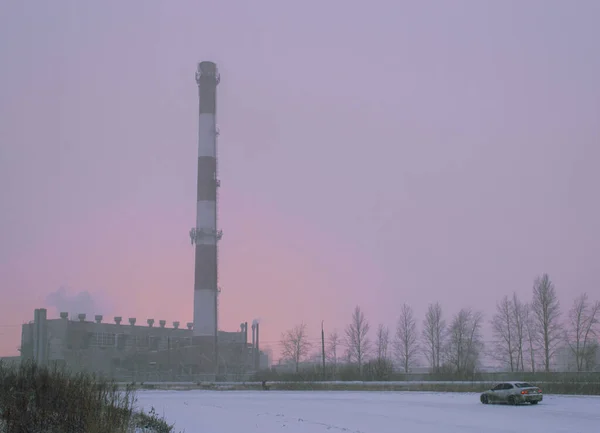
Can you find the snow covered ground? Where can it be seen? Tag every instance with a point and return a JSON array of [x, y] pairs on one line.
[[366, 412]]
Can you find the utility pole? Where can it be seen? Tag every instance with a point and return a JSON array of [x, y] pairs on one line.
[[323, 346]]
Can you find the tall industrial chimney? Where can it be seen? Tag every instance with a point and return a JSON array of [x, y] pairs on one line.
[[205, 234]]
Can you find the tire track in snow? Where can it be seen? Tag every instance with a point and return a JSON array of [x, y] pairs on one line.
[[290, 420]]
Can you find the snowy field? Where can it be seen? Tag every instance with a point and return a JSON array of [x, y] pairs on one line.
[[366, 412]]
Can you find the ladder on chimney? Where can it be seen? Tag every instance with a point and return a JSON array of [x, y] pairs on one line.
[[219, 233]]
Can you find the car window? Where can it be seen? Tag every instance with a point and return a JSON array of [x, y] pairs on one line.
[[508, 386], [524, 385], [498, 387]]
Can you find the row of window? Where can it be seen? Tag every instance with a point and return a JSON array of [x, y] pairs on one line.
[[105, 339]]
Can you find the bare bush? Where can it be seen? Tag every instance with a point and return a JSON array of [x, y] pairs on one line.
[[406, 341], [357, 338], [434, 335], [295, 344], [546, 310], [51, 400]]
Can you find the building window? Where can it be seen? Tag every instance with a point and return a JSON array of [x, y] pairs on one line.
[[104, 339]]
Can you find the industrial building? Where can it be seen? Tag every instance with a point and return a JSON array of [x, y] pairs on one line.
[[130, 351]]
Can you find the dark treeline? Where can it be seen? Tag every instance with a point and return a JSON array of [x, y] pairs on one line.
[[526, 337]]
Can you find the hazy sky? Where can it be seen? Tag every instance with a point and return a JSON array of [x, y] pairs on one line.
[[371, 153]]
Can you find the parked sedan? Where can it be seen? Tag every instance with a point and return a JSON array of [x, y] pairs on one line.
[[512, 393]]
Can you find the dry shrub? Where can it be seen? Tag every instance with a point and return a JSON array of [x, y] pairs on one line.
[[40, 399]]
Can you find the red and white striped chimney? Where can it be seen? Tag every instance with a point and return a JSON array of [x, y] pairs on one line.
[[205, 234]]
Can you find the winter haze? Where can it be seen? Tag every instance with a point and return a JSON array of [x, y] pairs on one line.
[[370, 153]]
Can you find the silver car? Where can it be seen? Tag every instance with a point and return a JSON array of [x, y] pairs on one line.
[[512, 393]]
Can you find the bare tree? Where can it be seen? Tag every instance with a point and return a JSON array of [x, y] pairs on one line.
[[406, 343], [582, 330], [546, 310], [295, 344], [519, 316], [357, 340], [333, 342], [503, 328], [381, 367], [530, 335], [465, 341], [383, 341], [434, 334]]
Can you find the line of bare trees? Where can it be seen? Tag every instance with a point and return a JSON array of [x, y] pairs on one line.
[[526, 335], [527, 332]]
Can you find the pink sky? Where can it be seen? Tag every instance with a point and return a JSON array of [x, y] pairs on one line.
[[371, 153]]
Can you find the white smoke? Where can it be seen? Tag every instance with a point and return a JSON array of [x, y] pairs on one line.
[[74, 304]]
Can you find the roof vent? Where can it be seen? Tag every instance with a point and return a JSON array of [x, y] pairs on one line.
[[98, 318], [150, 322], [190, 325], [176, 325], [64, 315], [132, 321], [118, 320], [163, 323], [81, 317]]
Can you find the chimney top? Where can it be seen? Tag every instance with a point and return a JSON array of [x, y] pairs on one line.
[[176, 325], [162, 323], [81, 317], [64, 315], [150, 322], [190, 325], [98, 318], [118, 320], [132, 321]]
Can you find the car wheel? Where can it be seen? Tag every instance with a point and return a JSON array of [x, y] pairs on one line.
[[512, 400], [484, 399]]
